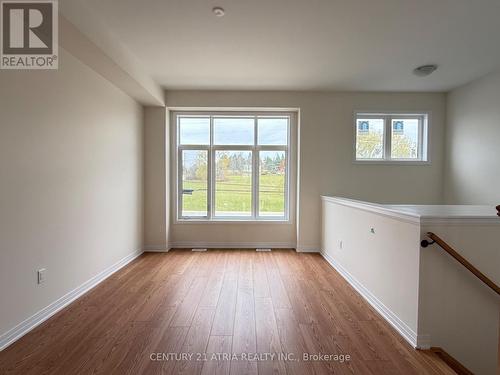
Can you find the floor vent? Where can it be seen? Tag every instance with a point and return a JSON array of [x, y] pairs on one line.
[[262, 249], [198, 249]]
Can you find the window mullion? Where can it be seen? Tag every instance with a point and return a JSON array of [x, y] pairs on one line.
[[179, 183], [233, 147], [288, 169], [388, 138], [272, 148], [211, 171], [255, 172], [420, 148]]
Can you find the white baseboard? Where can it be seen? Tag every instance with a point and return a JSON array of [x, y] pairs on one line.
[[231, 245], [423, 342], [156, 248], [416, 341], [308, 249], [27, 325]]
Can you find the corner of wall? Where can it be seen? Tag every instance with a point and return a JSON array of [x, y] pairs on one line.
[[156, 206]]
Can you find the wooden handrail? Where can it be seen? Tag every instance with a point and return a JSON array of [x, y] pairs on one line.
[[481, 276]]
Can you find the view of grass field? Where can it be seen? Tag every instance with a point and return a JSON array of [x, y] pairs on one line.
[[234, 195]]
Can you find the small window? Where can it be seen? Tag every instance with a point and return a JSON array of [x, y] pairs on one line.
[[194, 130], [273, 131], [390, 137], [233, 131], [370, 138], [195, 182]]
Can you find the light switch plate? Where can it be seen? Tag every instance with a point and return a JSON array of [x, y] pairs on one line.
[[41, 275]]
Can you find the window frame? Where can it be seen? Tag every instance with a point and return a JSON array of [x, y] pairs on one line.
[[423, 151], [212, 148]]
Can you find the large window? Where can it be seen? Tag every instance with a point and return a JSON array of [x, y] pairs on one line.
[[390, 137], [233, 166]]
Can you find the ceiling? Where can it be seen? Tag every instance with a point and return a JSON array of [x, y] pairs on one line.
[[368, 45]]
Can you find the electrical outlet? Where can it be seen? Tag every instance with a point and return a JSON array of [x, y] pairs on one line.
[[41, 275]]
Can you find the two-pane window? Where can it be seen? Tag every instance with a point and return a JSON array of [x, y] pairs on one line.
[[391, 137], [232, 166]]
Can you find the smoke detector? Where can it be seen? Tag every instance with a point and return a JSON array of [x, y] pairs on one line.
[[425, 70], [218, 11]]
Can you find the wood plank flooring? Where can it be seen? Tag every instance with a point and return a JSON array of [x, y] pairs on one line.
[[209, 313]]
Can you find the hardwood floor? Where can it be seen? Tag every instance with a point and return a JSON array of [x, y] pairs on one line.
[[216, 307]]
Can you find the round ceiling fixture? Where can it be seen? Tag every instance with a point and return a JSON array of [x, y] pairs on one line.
[[425, 70], [218, 11]]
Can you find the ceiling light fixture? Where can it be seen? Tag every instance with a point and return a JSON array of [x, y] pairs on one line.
[[218, 11], [425, 70]]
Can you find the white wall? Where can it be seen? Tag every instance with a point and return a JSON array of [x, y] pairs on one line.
[[458, 310], [326, 165], [156, 204], [473, 134], [70, 183], [383, 266], [423, 292]]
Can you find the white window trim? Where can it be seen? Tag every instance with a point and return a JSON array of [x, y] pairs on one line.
[[424, 138], [289, 149]]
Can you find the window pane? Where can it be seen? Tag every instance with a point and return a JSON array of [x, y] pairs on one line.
[[272, 175], [233, 131], [194, 130], [369, 138], [194, 182], [404, 142], [233, 186], [273, 131]]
